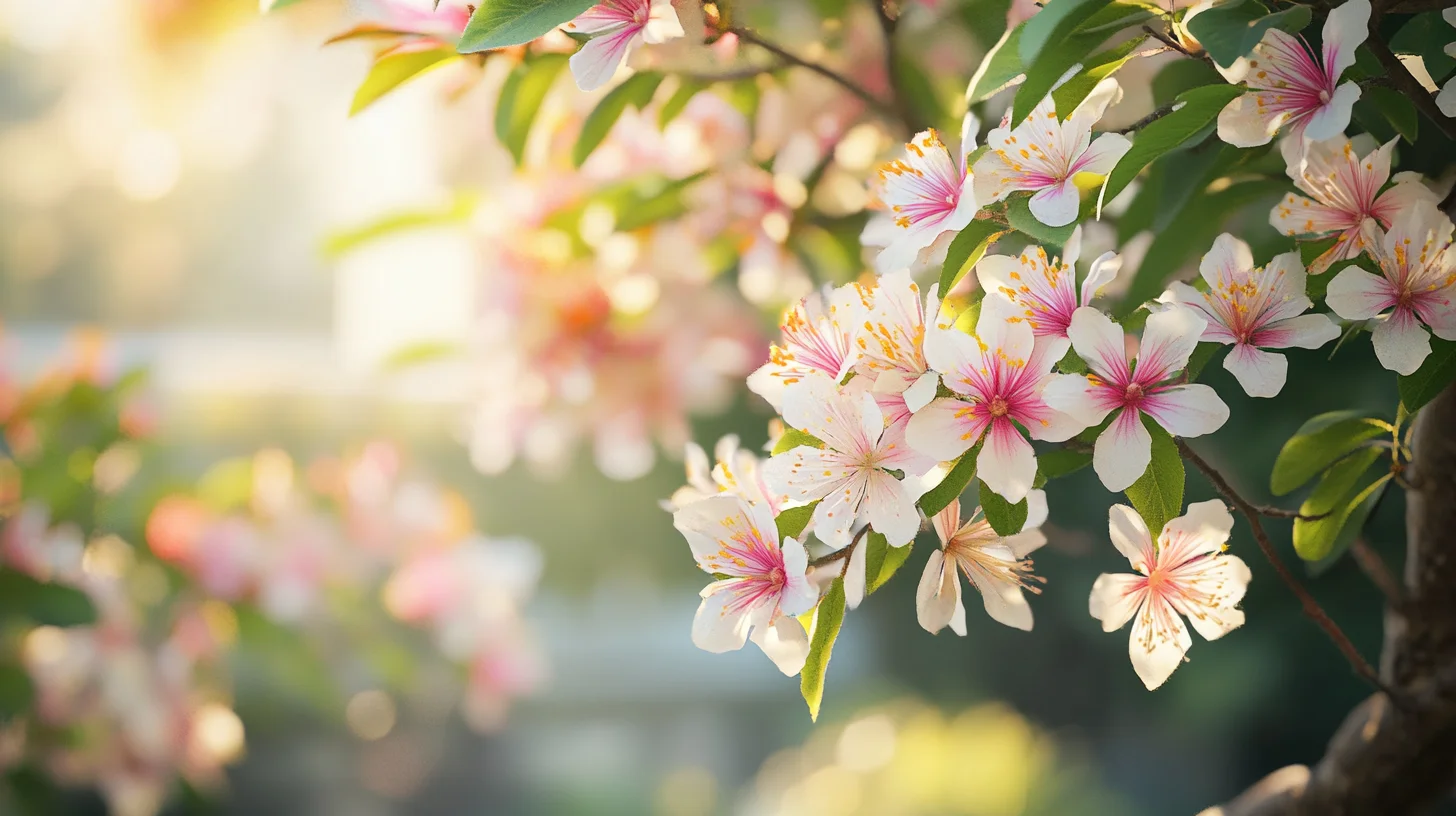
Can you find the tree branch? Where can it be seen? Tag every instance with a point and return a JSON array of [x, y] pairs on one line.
[[878, 105], [1386, 759], [888, 24], [843, 554], [1404, 81], [1311, 607]]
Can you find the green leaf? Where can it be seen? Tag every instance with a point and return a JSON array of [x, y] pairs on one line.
[[1359, 513], [1059, 462], [1053, 24], [793, 438], [794, 521], [966, 250], [16, 691], [1158, 494], [1231, 30], [274, 5], [502, 23], [1201, 356], [890, 563], [1101, 66], [1336, 497], [393, 70], [678, 102], [520, 99], [1434, 375], [1180, 76], [952, 486], [23, 597], [1397, 108], [1319, 443], [1199, 108], [637, 91], [454, 214], [1055, 62], [1427, 36], [422, 353], [1018, 214], [1000, 67], [1005, 518], [827, 621]]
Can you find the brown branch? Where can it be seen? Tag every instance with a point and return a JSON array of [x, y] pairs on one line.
[[1404, 81], [1280, 512], [1385, 759], [889, 22], [878, 105], [1148, 120], [734, 75], [842, 554], [1311, 607]]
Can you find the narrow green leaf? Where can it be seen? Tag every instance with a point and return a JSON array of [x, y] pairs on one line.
[[1199, 108], [1059, 462], [1018, 213], [1203, 353], [1097, 68], [678, 102], [827, 621], [520, 99], [1336, 497], [1054, 23], [274, 5], [794, 521], [1435, 374], [502, 23], [456, 213], [952, 486], [1000, 67], [637, 91], [894, 558], [1054, 63], [1398, 110], [423, 353], [1359, 513], [1231, 30], [1319, 443], [966, 250], [393, 70], [1158, 494], [793, 438], [1005, 518], [1180, 76], [16, 691]]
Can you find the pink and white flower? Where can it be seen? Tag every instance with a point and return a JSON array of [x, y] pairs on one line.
[[1124, 449], [998, 377], [617, 27], [818, 341], [1186, 574], [1044, 292], [1044, 155], [850, 476], [890, 342], [1419, 286], [736, 471], [996, 566], [928, 193], [1293, 89], [767, 584], [1345, 192], [1255, 308]]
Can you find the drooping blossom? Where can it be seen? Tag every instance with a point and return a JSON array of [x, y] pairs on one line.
[[1446, 99], [1255, 308], [1123, 450], [1044, 155], [617, 27], [996, 566], [928, 192], [735, 471], [818, 341], [890, 342], [997, 377], [1418, 286], [414, 25], [1294, 90], [1185, 574], [850, 476], [1044, 292], [766, 585], [1345, 191]]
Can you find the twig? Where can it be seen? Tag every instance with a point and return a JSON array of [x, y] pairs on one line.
[[1380, 575], [841, 555], [888, 24], [747, 72], [1173, 44], [879, 105], [1311, 607], [1405, 82], [1149, 119], [1280, 512]]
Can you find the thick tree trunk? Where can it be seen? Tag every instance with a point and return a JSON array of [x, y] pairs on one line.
[[1391, 758]]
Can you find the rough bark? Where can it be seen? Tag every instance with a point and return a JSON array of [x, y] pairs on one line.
[[1394, 757]]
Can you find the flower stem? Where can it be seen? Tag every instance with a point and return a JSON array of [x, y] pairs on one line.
[[1311, 607]]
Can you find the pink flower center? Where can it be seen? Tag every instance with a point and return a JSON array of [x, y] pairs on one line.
[[1133, 395], [999, 407], [776, 577]]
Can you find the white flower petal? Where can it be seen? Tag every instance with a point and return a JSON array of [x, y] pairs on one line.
[[1123, 451], [716, 628], [1130, 536], [785, 642], [1158, 642], [1401, 342], [1187, 410], [1007, 463], [1114, 599], [938, 596], [1261, 373]]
